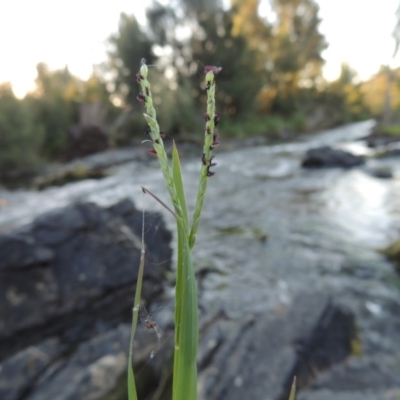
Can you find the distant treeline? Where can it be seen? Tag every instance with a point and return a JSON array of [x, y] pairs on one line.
[[271, 83]]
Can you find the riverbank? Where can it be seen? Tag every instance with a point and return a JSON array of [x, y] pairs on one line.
[[96, 166]]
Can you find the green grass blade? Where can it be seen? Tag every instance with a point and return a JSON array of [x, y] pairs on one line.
[[178, 182], [186, 324], [182, 384], [293, 390], [132, 395], [178, 302]]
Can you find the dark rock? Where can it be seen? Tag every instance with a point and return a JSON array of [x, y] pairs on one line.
[[359, 372], [376, 139], [155, 233], [264, 353], [337, 395], [20, 372], [390, 150], [327, 157], [20, 251], [359, 378], [383, 172], [90, 372], [74, 276], [98, 366]]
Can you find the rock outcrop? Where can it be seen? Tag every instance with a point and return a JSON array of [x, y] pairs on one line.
[[67, 284], [261, 355], [327, 157], [66, 292]]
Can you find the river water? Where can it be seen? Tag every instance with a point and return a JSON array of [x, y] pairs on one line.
[[270, 228]]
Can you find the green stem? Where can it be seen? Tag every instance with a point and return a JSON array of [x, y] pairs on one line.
[[206, 158]]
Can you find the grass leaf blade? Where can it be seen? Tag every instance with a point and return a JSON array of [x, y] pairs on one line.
[[132, 394], [186, 324], [293, 390]]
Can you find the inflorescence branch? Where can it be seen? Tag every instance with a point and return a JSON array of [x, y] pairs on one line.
[[210, 142], [157, 137]]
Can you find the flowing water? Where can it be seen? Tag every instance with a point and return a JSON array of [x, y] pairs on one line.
[[269, 227]]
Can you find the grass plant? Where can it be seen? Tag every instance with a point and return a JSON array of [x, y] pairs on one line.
[[184, 385]]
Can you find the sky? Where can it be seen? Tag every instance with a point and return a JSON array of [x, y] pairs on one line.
[[74, 33]]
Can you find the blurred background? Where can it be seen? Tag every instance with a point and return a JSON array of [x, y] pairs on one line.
[[298, 252], [290, 66]]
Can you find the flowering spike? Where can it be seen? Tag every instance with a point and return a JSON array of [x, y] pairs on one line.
[[154, 131], [141, 98], [210, 140]]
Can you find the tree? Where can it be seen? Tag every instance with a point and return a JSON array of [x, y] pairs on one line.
[[294, 52], [127, 48], [54, 104], [64, 104], [20, 138], [217, 42], [375, 91], [211, 40], [349, 102], [265, 64]]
